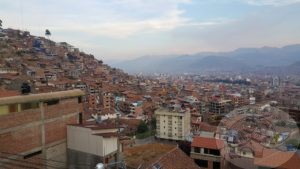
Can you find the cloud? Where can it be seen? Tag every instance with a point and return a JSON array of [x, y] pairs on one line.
[[113, 18], [141, 27], [269, 27], [272, 2]]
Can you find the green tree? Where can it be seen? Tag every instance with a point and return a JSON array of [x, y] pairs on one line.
[[0, 23], [153, 123], [47, 33], [142, 127]]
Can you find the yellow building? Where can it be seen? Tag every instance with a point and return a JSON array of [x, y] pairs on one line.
[[173, 123]]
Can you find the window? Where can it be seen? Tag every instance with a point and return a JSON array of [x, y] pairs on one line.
[[80, 119], [202, 163], [216, 165], [30, 105], [205, 150], [4, 110], [52, 102], [197, 149], [13, 108], [79, 99], [215, 152], [32, 154]]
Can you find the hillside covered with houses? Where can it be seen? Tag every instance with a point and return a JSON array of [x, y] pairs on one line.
[[48, 66]]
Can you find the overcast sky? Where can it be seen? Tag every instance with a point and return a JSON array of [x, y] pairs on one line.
[[126, 29]]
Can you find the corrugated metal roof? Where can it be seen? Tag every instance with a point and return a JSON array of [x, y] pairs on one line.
[[41, 97]]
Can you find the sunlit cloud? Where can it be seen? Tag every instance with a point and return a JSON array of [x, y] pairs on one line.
[[143, 27], [272, 2]]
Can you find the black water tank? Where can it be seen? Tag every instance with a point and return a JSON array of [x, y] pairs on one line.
[[25, 88]]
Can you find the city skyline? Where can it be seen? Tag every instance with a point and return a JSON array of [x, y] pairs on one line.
[[138, 28]]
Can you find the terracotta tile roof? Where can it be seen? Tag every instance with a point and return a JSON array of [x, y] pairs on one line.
[[293, 162], [175, 159], [8, 93], [274, 158], [145, 154], [163, 155], [9, 76], [205, 126], [210, 143]]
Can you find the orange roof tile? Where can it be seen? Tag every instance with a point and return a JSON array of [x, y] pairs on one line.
[[275, 158], [211, 143], [163, 155], [8, 93]]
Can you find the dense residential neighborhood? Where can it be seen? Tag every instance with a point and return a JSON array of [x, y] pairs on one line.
[[61, 107]]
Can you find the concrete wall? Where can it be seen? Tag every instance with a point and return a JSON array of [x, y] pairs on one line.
[[82, 139], [37, 129], [110, 145], [81, 160]]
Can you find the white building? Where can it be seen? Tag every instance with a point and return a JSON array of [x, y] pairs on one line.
[[252, 100], [173, 123], [100, 140]]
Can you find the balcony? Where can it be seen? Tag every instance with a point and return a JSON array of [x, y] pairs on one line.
[[203, 156]]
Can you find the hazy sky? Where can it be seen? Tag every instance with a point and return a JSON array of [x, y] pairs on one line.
[[125, 29]]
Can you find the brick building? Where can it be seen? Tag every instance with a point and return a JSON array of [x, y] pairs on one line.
[[35, 124], [108, 101], [219, 106], [207, 152]]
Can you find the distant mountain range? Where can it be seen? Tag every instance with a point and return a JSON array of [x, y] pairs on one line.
[[285, 59]]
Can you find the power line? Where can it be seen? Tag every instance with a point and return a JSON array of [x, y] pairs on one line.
[[19, 161], [47, 160], [29, 162]]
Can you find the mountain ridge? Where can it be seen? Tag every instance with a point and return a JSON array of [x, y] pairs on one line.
[[241, 59]]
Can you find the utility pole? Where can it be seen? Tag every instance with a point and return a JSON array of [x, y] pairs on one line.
[[118, 141]]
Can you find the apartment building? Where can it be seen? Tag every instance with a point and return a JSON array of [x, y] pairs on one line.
[[108, 101], [236, 99], [35, 124], [173, 123], [207, 152], [220, 106]]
